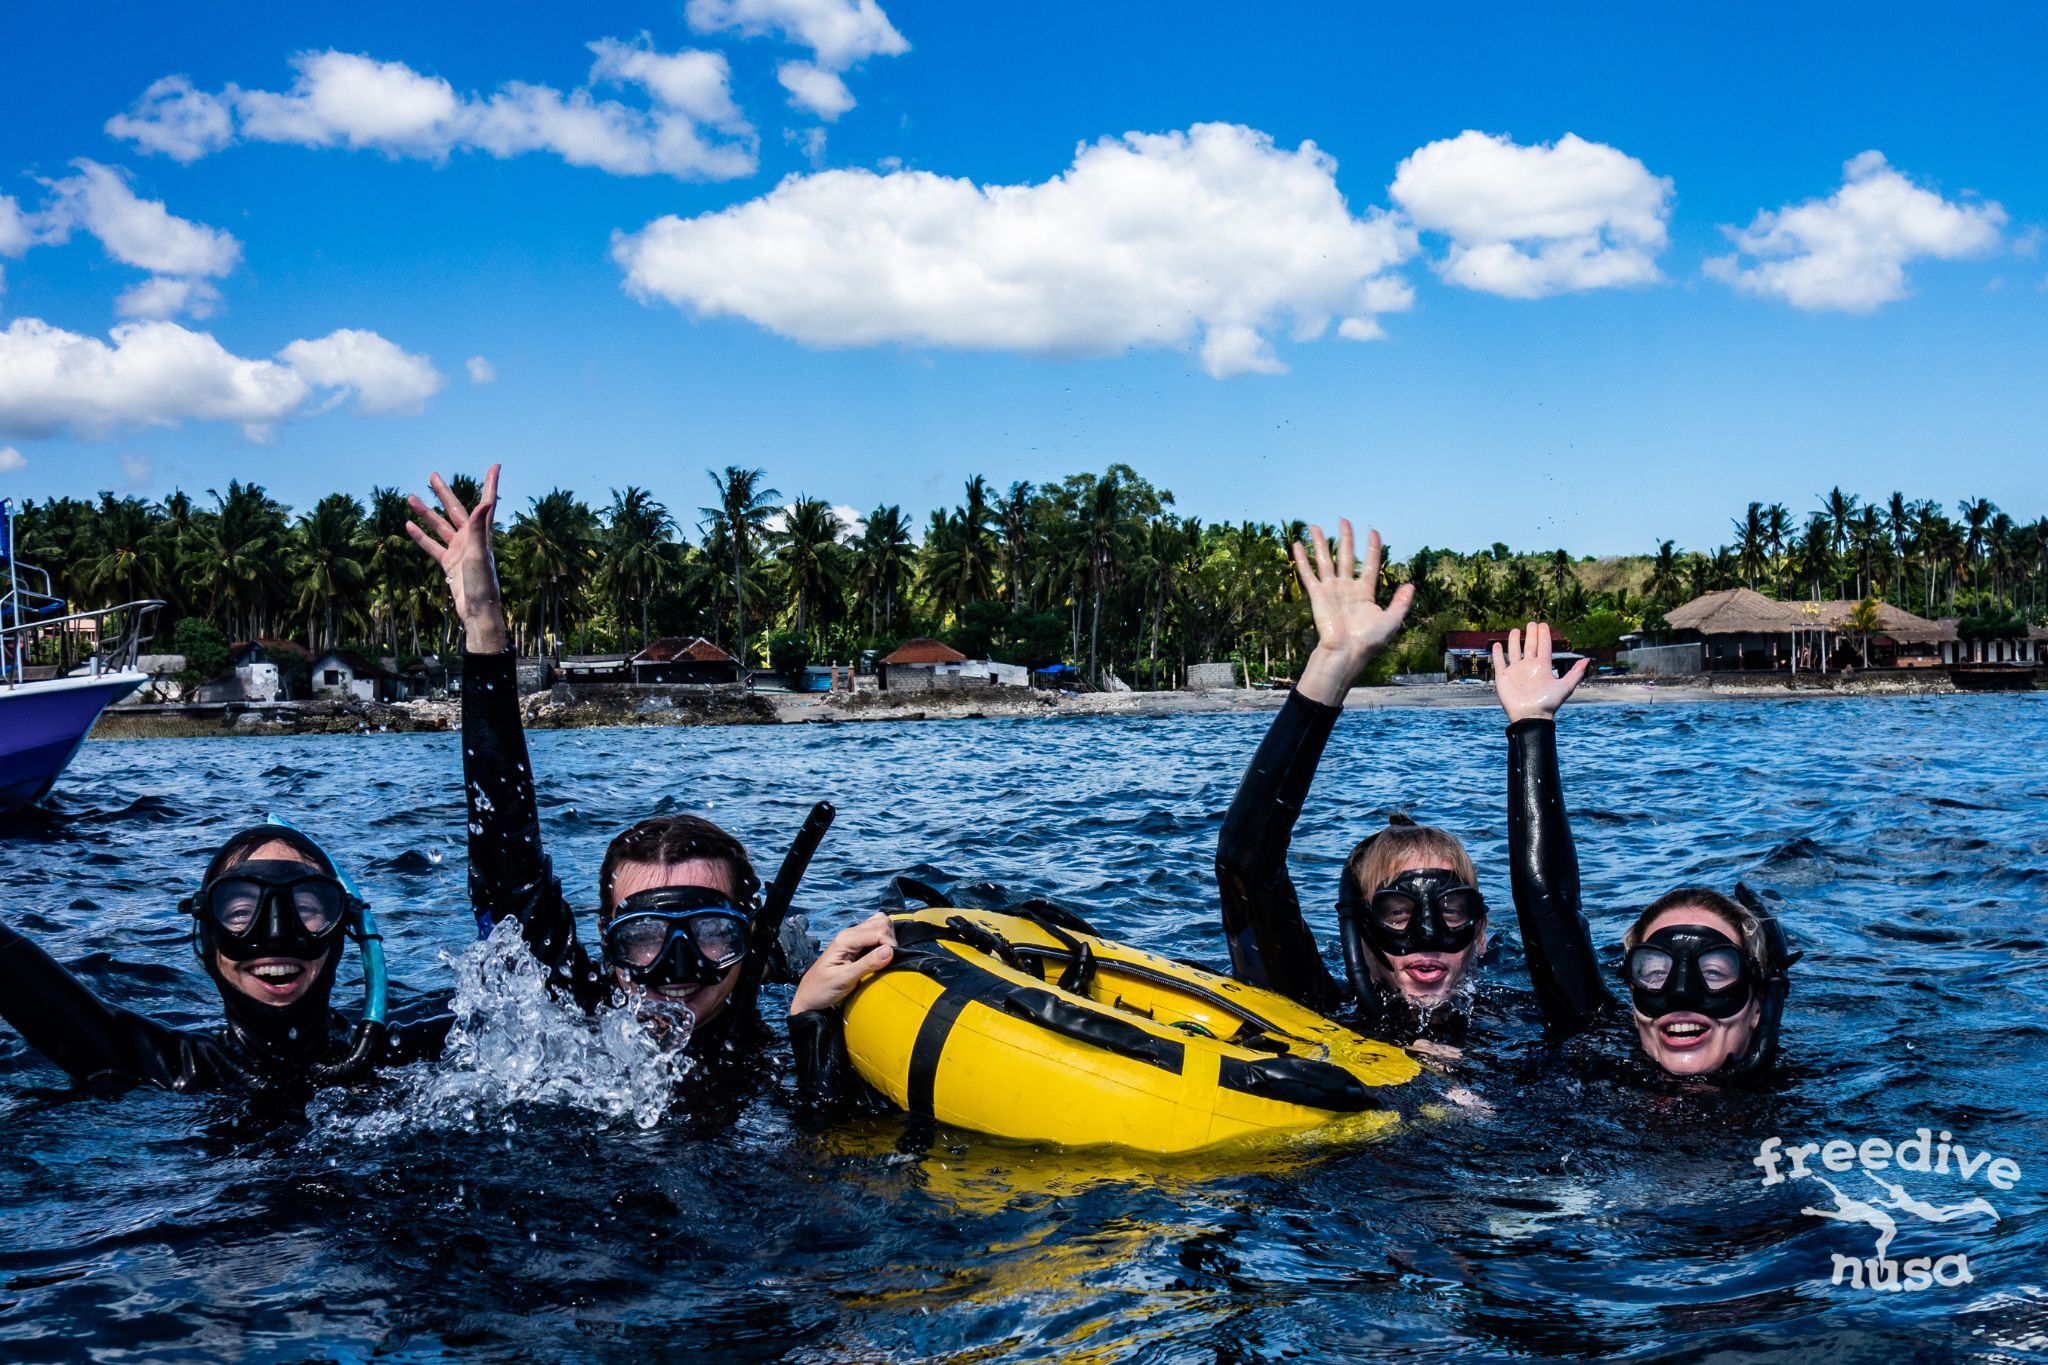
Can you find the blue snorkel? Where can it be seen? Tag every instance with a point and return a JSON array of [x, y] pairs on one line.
[[369, 1034]]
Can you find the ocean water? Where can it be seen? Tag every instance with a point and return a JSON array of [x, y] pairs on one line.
[[436, 1216]]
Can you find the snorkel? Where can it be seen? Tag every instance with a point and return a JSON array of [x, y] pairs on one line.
[[775, 904], [369, 1035]]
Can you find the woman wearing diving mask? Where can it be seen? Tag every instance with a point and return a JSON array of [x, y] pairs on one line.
[[1706, 975], [271, 919], [1409, 914]]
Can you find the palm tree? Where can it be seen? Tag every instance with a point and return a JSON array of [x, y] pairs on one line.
[[637, 554], [739, 519], [327, 557], [810, 554], [882, 554], [1664, 584], [552, 551], [124, 552], [1752, 543], [1013, 517]]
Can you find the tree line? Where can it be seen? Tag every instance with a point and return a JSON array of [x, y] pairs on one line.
[[1096, 571]]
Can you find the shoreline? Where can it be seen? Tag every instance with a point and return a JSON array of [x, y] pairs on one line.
[[620, 707]]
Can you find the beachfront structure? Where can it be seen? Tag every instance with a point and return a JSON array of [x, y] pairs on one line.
[[924, 665], [345, 673], [1469, 653], [684, 659], [1737, 629], [2025, 645], [597, 668]]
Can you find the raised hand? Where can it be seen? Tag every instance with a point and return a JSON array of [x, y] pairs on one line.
[[851, 957], [1528, 687], [1351, 625], [458, 539]]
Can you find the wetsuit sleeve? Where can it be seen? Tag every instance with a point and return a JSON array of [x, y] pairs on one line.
[[57, 1016], [826, 1083], [1270, 942], [1544, 866], [509, 874]]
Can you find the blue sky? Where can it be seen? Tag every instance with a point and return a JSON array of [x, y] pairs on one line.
[[878, 337]]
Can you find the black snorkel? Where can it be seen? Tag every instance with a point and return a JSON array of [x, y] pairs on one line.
[[775, 902]]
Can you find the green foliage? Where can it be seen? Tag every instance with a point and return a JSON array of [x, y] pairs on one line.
[[1600, 628], [204, 646], [788, 654]]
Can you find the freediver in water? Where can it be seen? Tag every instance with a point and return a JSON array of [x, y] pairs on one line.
[[1410, 916], [270, 918], [1706, 974], [682, 921]]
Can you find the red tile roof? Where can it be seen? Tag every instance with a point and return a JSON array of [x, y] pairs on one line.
[[672, 647], [925, 651]]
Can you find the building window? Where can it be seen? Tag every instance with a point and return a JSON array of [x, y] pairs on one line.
[[333, 677]]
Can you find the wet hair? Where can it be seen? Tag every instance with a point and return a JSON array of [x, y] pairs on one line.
[[241, 847], [1738, 921], [1374, 862], [665, 840]]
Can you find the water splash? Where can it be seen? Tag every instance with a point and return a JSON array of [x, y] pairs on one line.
[[515, 1045]]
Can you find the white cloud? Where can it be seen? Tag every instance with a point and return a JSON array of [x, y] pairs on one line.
[[1150, 240], [135, 231], [839, 33], [481, 371], [135, 469], [815, 89], [1529, 222], [161, 374], [175, 119], [11, 460], [166, 296], [15, 232], [690, 129], [1849, 251], [385, 380]]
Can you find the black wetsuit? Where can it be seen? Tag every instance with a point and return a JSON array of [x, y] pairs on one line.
[[1270, 941], [1545, 869], [258, 1047], [511, 876]]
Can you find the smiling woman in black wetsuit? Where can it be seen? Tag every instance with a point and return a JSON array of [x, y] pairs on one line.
[[1410, 916], [1706, 974], [677, 895], [271, 917]]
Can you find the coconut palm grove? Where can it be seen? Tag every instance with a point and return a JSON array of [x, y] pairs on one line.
[[1097, 571]]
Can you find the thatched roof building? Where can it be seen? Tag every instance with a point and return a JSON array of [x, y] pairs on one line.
[[1740, 628]]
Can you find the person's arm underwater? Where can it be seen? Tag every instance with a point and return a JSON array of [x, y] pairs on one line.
[[1270, 941], [58, 1016], [1543, 862], [826, 1082], [509, 873]]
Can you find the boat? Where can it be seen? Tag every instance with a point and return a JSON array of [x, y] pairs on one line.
[[1027, 1027], [49, 698], [1992, 677]]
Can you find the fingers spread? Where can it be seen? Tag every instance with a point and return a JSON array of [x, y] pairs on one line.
[[458, 515], [1372, 556], [435, 522], [422, 539], [1302, 570], [1347, 550], [1324, 567]]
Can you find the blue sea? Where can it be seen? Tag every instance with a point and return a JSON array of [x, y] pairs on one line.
[[1562, 1212]]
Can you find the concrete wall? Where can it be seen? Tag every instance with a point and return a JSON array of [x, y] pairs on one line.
[[1210, 677], [1663, 661]]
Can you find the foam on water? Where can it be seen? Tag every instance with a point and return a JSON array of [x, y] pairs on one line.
[[516, 1044]]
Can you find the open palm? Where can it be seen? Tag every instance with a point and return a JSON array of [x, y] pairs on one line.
[[1344, 596], [1528, 686], [458, 539]]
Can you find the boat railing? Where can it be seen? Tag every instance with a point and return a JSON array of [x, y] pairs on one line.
[[116, 636]]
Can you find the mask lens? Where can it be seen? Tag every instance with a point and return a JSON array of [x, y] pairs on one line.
[[1459, 907], [721, 939], [319, 906], [233, 904], [1393, 910], [1649, 968], [639, 941], [1720, 968]]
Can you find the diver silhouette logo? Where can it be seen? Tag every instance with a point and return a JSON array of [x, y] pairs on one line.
[[1922, 1154]]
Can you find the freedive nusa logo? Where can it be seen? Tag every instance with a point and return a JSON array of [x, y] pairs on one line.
[[1926, 1153]]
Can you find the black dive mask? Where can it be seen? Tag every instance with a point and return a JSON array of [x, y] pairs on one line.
[[1429, 910], [262, 909], [1691, 969], [677, 936]]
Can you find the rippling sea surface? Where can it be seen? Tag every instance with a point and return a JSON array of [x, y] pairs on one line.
[[1583, 1218]]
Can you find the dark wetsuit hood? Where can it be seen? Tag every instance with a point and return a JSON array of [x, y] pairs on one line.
[[297, 1032]]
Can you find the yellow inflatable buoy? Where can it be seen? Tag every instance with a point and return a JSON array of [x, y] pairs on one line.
[[1019, 1026]]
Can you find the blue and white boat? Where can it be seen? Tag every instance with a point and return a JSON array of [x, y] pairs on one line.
[[50, 696]]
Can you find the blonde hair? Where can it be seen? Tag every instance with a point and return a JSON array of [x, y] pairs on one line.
[[1376, 860]]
